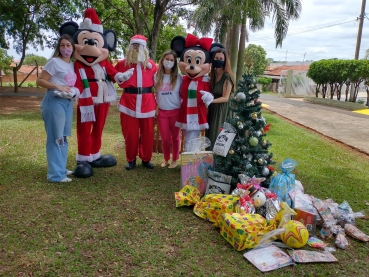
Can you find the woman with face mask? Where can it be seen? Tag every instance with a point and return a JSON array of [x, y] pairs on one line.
[[58, 78], [222, 84], [167, 84]]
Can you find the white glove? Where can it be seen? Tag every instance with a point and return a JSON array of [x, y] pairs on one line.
[[64, 94], [121, 77], [206, 97]]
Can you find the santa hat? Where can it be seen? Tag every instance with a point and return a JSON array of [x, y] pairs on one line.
[[91, 21], [140, 39]]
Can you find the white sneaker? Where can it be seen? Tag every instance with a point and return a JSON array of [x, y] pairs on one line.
[[66, 180], [69, 172]]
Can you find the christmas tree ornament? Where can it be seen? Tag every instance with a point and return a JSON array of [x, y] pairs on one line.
[[263, 142], [243, 147], [260, 161], [240, 97], [231, 151], [265, 171], [254, 115], [253, 141], [244, 156], [252, 86], [258, 133], [239, 122], [248, 166], [240, 126]]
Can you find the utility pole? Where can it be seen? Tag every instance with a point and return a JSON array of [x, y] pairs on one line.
[[358, 42], [285, 59]]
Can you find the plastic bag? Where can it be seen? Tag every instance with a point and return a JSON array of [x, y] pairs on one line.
[[284, 182]]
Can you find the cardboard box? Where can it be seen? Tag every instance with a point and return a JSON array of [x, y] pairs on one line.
[[194, 169], [308, 219]]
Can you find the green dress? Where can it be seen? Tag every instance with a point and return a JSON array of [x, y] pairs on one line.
[[217, 113]]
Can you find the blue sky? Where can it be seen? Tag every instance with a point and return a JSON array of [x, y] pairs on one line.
[[326, 29]]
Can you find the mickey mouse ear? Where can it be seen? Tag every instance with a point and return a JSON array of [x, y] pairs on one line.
[[177, 45], [215, 46]]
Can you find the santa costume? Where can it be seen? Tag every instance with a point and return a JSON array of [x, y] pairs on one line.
[[137, 106]]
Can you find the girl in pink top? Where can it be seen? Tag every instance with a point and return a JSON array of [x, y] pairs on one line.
[[167, 84]]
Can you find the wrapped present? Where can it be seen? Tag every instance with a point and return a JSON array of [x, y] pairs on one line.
[[308, 219], [218, 183], [187, 196], [244, 231], [224, 140], [194, 169], [284, 182], [212, 206]]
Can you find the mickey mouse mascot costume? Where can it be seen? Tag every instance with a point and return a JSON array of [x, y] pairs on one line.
[[194, 63], [94, 81]]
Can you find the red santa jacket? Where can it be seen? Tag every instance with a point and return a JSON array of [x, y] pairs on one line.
[[99, 77], [192, 114], [138, 105]]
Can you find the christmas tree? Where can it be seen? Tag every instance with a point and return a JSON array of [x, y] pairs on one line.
[[248, 153]]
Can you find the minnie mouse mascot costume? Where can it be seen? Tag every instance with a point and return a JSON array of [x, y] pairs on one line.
[[95, 76], [194, 63]]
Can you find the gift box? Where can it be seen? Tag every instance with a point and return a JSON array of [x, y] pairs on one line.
[[308, 219], [212, 206], [218, 183], [194, 169], [244, 230]]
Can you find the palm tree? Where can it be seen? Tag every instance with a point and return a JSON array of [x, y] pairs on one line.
[[231, 15]]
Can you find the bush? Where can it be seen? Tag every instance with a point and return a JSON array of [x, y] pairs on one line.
[[31, 85], [264, 81]]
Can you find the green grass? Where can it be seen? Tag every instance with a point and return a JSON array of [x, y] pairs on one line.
[[120, 223]]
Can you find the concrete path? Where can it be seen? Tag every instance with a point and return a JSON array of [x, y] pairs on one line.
[[345, 126]]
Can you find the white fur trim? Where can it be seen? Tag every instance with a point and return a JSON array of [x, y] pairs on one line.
[[96, 156], [149, 65], [87, 24], [139, 41], [185, 126], [83, 158], [139, 74], [135, 114]]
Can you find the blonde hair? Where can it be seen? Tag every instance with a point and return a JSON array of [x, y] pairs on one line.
[[173, 71], [131, 56]]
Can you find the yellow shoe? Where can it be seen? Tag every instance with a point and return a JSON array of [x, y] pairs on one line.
[[173, 164], [164, 164]]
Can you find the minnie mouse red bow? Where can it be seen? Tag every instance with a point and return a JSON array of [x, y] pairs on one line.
[[204, 43]]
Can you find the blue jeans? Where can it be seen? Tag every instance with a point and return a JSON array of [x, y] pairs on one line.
[[57, 114]]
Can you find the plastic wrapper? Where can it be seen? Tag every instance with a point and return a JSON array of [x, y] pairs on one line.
[[272, 207], [345, 213], [284, 182], [245, 205], [316, 243], [324, 211], [197, 144], [218, 183], [211, 206], [355, 233], [341, 240], [187, 196]]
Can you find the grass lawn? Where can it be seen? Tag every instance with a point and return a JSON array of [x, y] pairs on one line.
[[120, 223]]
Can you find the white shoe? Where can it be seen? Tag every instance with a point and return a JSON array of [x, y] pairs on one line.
[[173, 164], [66, 180], [69, 172]]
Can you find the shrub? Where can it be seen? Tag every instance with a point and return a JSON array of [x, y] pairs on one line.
[[264, 81]]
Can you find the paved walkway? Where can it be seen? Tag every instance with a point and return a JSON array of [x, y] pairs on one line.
[[345, 126]]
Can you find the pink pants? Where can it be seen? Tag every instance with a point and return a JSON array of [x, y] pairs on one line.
[[169, 133]]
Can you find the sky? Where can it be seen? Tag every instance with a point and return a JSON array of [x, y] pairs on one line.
[[326, 29]]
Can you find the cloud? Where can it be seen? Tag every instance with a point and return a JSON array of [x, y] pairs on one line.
[[326, 29]]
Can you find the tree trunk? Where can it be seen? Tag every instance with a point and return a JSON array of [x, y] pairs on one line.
[[228, 41], [234, 46], [15, 79], [241, 49]]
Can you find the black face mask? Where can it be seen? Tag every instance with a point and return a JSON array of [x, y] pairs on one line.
[[218, 63]]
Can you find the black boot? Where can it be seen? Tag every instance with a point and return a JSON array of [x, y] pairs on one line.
[[83, 170], [131, 165], [106, 160], [148, 165]]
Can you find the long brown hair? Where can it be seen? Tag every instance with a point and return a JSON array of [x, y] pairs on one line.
[[173, 71], [57, 48], [226, 67]]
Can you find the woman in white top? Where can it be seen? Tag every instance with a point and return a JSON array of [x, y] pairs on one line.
[[57, 108], [167, 84]]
